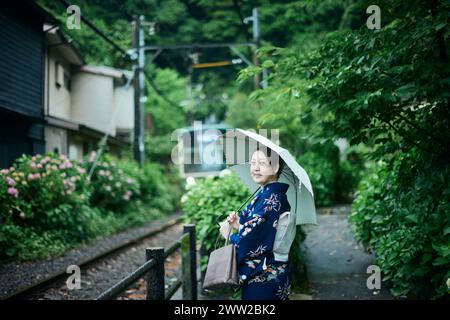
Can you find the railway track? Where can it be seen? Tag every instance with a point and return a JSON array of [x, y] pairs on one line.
[[55, 279]]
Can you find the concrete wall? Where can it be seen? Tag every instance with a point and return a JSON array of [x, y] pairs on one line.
[[55, 138], [59, 98], [124, 101], [93, 101]]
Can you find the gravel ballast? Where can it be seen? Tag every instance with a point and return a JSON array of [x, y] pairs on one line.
[[17, 275]]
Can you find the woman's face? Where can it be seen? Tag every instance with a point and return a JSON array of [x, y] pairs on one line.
[[260, 168]]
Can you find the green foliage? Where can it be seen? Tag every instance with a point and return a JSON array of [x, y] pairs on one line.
[[166, 112], [364, 86], [111, 187], [401, 212], [40, 191], [387, 90], [48, 205], [322, 164], [208, 202], [351, 170]]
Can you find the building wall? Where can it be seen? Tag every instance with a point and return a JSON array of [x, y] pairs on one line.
[[56, 140], [76, 147], [21, 60], [21, 81], [93, 101], [124, 101], [58, 102]]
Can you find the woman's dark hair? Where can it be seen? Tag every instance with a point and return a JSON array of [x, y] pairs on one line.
[[273, 158]]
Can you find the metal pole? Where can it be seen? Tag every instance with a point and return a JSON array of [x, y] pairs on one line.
[[142, 97], [139, 90], [155, 277], [255, 26], [190, 288], [136, 154]]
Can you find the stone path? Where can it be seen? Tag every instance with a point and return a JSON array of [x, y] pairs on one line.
[[336, 264]]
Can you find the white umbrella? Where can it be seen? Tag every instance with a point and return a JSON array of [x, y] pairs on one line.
[[300, 193]]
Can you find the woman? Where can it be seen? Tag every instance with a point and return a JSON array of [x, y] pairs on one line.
[[261, 276]]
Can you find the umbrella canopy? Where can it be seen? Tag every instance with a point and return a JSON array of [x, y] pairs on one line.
[[300, 193]]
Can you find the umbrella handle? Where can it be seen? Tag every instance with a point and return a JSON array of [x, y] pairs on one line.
[[245, 202]]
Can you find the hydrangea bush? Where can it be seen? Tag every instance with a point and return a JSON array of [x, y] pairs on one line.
[[49, 203]]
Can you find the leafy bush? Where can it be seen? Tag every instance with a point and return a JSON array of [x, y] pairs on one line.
[[111, 187], [48, 204], [402, 213], [322, 165], [39, 191], [208, 202], [351, 170]]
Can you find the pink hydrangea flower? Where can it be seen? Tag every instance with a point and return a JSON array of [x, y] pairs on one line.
[[11, 182], [13, 191], [35, 176]]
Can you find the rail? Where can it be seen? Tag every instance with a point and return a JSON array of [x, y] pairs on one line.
[[153, 270]]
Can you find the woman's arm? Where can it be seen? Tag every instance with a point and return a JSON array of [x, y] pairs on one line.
[[257, 235]]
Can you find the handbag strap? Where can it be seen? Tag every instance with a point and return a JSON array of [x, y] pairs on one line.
[[226, 239], [238, 210]]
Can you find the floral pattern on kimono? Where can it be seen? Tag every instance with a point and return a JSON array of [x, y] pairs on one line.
[[272, 272], [255, 239]]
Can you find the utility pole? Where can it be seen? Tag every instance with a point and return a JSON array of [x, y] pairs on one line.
[[139, 90], [254, 18], [255, 21]]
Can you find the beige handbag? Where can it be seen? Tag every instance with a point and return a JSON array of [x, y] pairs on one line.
[[222, 267]]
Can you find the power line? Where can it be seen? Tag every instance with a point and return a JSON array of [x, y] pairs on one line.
[[237, 8], [97, 30]]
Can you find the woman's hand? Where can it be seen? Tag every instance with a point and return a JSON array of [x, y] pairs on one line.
[[233, 220]]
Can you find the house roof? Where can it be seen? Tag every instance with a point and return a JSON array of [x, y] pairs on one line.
[[55, 38], [85, 130], [103, 70]]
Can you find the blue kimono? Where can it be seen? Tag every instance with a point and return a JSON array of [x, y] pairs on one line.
[[261, 277]]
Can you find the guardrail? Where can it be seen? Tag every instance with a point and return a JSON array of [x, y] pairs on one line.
[[153, 270]]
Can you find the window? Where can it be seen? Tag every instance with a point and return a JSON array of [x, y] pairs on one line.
[[67, 82], [59, 75]]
